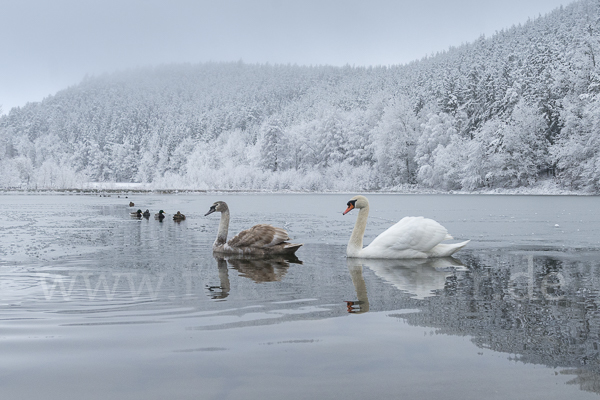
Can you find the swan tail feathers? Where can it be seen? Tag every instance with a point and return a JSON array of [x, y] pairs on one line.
[[447, 249], [290, 248]]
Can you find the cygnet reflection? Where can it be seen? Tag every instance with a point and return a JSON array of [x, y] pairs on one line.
[[258, 269]]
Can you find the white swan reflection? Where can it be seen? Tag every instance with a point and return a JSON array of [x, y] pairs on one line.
[[420, 278], [355, 266]]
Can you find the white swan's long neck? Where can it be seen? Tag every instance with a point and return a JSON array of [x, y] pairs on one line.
[[355, 244], [223, 228]]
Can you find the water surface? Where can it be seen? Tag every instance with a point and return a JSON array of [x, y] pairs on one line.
[[96, 304]]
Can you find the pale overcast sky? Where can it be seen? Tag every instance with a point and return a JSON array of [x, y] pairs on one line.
[[48, 45]]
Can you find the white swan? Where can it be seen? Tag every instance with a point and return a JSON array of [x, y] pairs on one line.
[[411, 237], [261, 239]]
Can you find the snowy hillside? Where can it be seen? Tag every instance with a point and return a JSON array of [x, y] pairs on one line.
[[510, 111]]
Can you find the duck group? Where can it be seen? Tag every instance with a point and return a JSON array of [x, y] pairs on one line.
[[160, 216], [409, 238]]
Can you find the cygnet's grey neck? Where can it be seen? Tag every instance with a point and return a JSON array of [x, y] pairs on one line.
[[223, 228]]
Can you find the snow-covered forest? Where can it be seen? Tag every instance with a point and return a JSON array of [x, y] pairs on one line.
[[516, 110]]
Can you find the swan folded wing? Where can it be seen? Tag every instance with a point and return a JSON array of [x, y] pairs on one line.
[[262, 236], [414, 233]]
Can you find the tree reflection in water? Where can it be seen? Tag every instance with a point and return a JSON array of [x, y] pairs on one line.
[[541, 308]]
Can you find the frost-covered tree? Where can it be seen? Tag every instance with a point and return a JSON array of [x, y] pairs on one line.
[[395, 141], [272, 143], [330, 139], [438, 132], [509, 153], [576, 150]]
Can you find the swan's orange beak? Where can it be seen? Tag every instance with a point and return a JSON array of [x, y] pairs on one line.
[[350, 208]]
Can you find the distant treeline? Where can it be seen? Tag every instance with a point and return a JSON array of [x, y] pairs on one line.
[[510, 111]]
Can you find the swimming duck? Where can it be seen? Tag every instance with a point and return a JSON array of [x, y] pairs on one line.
[[178, 217], [137, 214], [146, 214], [131, 204], [411, 237], [261, 239], [160, 215]]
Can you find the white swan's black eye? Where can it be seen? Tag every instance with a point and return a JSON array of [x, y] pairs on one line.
[[351, 203]]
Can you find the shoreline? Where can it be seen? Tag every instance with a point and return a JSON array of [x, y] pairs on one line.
[[126, 191]]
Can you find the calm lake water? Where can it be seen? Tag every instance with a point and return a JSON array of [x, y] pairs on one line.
[[96, 305]]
